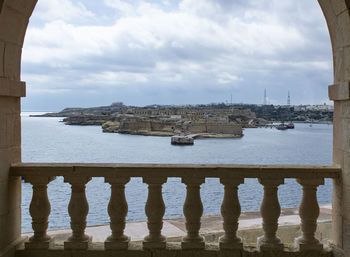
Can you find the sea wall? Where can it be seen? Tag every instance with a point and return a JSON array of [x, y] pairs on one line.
[[129, 126], [165, 126], [224, 128], [133, 125]]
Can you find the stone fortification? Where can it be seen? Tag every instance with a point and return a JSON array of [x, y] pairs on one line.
[[86, 120], [167, 127], [212, 120]]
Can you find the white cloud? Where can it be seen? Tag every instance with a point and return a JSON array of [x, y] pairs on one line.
[[114, 78], [50, 10], [210, 43], [124, 7], [227, 78]]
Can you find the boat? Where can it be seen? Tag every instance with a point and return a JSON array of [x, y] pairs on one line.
[[290, 125], [281, 126], [182, 140]]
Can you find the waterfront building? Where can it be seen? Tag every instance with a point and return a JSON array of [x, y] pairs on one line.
[[14, 17]]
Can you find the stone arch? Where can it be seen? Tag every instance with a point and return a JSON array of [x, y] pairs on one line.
[[14, 17]]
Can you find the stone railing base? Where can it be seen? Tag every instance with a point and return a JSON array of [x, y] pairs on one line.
[[173, 249]]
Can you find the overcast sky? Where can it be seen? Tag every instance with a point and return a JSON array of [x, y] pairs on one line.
[[95, 52]]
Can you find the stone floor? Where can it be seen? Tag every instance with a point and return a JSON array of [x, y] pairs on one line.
[[174, 228]]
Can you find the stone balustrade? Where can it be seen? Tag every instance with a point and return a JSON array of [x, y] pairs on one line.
[[155, 175]]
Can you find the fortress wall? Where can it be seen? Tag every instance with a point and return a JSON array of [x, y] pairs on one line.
[[135, 126], [162, 126], [224, 128], [197, 128]]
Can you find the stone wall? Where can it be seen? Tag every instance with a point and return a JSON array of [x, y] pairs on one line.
[[10, 152], [215, 128], [141, 125], [165, 126], [224, 128], [337, 14], [129, 126], [14, 17]]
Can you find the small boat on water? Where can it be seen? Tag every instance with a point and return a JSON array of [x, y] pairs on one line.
[[290, 125], [282, 126], [182, 140]]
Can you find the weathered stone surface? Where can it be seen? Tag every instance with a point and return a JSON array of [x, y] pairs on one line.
[[172, 251], [339, 91], [339, 6], [12, 61], [24, 7], [2, 52], [12, 88], [168, 127], [337, 223], [10, 197], [195, 171], [341, 138], [111, 126], [13, 26], [9, 105], [339, 66], [347, 63], [343, 26]]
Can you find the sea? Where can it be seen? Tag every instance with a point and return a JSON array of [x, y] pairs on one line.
[[50, 140]]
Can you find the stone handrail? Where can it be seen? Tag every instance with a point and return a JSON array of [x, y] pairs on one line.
[[155, 175]]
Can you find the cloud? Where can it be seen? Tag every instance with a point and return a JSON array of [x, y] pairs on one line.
[[208, 44], [62, 10], [226, 78], [123, 7]]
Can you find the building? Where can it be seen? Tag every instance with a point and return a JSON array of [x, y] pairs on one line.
[[14, 16]]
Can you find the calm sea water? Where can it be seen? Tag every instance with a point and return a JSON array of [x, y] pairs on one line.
[[49, 140]]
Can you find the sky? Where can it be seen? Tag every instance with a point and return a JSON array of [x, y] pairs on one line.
[[141, 52]]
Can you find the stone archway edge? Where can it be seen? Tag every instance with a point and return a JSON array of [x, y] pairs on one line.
[[12, 88], [338, 92], [347, 3]]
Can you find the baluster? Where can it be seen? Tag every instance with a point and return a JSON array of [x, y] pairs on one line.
[[270, 211], [230, 211], [155, 209], [309, 212], [78, 209], [193, 210], [117, 210], [39, 210]]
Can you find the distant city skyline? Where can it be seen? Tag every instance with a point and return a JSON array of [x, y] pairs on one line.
[[89, 53]]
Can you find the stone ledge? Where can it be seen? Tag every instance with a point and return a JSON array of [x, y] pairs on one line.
[[10, 249], [173, 249], [338, 92], [12, 88]]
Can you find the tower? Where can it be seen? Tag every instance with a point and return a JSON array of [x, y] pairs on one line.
[[265, 97], [288, 99]]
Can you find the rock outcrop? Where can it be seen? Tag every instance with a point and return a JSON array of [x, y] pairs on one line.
[[86, 120]]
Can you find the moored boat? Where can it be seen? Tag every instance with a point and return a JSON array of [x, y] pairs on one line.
[[290, 125], [282, 126]]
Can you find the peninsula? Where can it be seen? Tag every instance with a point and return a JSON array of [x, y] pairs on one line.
[[211, 120]]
